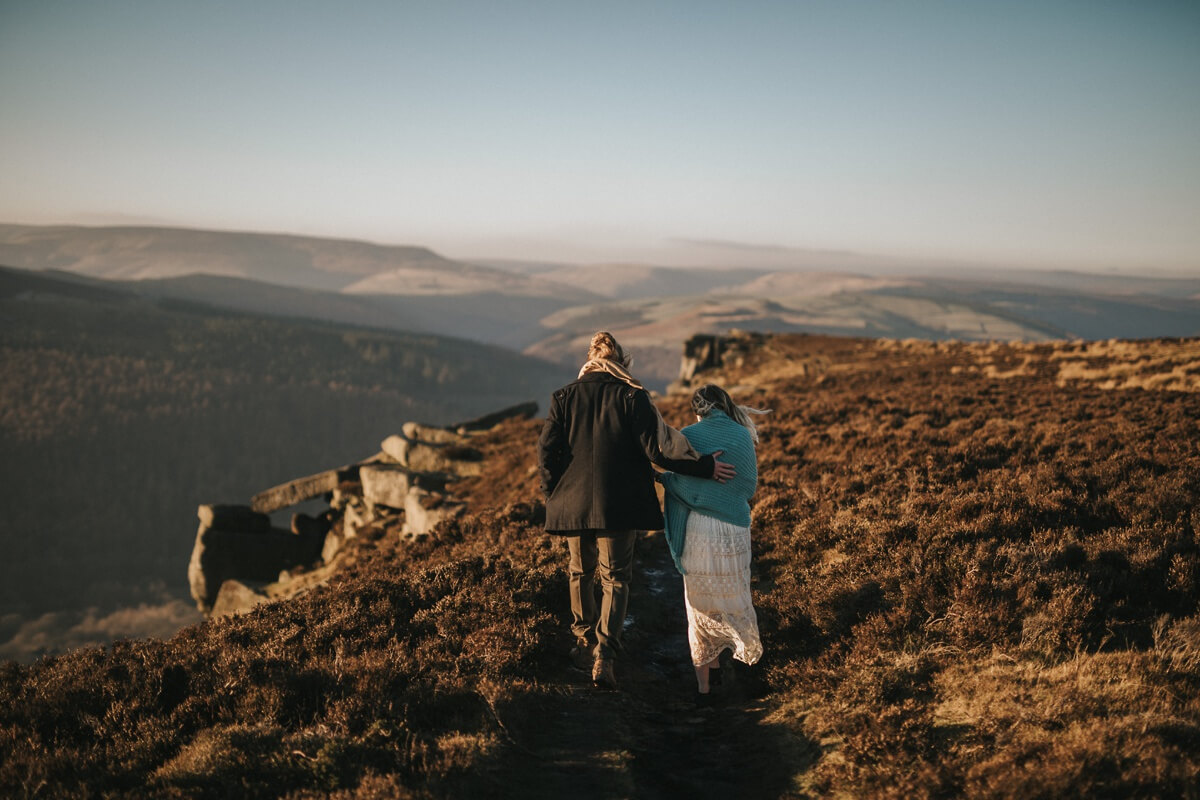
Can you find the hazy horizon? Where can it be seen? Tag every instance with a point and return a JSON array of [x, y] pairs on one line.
[[1048, 135], [674, 254]]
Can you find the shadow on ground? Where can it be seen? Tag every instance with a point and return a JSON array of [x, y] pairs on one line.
[[649, 739]]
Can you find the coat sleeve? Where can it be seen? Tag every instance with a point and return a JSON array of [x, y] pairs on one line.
[[645, 424], [552, 448]]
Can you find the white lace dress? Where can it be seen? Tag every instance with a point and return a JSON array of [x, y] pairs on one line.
[[716, 591]]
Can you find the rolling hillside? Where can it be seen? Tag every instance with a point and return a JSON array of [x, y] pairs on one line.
[[932, 309], [550, 310], [975, 568], [117, 253], [119, 414]]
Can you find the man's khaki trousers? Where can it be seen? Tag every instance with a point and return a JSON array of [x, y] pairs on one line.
[[607, 555]]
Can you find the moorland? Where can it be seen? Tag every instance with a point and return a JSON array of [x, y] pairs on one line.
[[976, 571]]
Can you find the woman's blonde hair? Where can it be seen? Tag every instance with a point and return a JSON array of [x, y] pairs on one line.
[[604, 345], [710, 396]]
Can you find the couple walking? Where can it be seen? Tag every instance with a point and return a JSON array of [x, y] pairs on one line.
[[595, 453]]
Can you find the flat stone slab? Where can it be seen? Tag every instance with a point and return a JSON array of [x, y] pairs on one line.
[[297, 491], [421, 456]]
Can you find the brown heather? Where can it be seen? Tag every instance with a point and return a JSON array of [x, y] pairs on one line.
[[976, 571]]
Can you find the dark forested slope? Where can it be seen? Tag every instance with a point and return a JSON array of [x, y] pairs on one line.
[[118, 415]]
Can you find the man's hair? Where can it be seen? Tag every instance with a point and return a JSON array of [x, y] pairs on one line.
[[604, 345]]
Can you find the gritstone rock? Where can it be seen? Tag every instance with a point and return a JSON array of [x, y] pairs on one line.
[[233, 518], [424, 510], [235, 597], [427, 433], [333, 546], [354, 519], [421, 456], [701, 352], [706, 351], [388, 484], [314, 527], [297, 491], [385, 485], [347, 493], [220, 555]]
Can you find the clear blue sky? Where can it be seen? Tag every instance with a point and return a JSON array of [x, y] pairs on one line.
[[1025, 133]]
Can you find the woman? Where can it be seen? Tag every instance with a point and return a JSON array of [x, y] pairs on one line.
[[601, 435], [708, 530]]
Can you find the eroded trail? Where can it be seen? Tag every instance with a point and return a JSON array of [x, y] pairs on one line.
[[648, 739], [728, 749]]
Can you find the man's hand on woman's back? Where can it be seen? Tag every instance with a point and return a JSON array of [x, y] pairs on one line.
[[722, 471]]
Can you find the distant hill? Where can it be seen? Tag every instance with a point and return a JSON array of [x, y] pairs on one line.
[[549, 310], [141, 253], [403, 288], [494, 317], [121, 412], [654, 328], [629, 281]]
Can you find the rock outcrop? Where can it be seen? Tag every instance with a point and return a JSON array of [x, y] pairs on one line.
[[709, 351], [424, 511], [246, 552], [241, 560], [421, 455]]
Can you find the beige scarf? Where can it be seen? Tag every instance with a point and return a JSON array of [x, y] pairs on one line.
[[671, 442]]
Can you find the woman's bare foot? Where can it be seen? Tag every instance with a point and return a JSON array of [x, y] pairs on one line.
[[702, 674]]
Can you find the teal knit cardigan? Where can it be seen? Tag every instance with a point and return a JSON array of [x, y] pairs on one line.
[[729, 501]]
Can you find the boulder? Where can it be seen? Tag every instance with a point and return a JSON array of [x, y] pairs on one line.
[[233, 518], [385, 484], [354, 519], [313, 527], [424, 510], [333, 545], [388, 484], [525, 410], [346, 493], [427, 433], [707, 351], [700, 353], [421, 456], [219, 555], [236, 597]]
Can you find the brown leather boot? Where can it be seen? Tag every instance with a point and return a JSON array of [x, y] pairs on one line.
[[581, 654], [603, 673]]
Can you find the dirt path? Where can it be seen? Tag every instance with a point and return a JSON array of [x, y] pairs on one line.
[[727, 750], [648, 740]]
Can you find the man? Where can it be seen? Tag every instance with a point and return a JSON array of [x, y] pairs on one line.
[[595, 453]]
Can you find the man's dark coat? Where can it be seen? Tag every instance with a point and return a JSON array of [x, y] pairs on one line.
[[595, 451]]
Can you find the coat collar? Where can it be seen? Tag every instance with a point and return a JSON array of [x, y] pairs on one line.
[[592, 377]]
